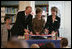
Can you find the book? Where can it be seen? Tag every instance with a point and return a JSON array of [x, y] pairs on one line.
[[2, 11], [11, 10], [13, 19]]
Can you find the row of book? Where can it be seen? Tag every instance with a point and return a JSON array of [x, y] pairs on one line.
[[44, 8], [41, 2], [13, 19], [11, 10]]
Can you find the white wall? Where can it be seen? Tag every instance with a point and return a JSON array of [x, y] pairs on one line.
[[65, 15], [23, 4], [33, 8], [67, 24]]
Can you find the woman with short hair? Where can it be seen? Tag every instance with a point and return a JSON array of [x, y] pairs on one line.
[[38, 22], [53, 21]]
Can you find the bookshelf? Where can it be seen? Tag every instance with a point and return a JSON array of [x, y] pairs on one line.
[[44, 7], [42, 4], [10, 11]]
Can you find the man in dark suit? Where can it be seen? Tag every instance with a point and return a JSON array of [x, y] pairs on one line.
[[23, 22]]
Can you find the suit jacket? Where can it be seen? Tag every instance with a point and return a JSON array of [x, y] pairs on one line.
[[52, 26], [21, 24]]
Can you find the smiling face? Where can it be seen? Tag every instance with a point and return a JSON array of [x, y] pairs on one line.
[[39, 15], [8, 21], [39, 12], [54, 11], [29, 10]]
